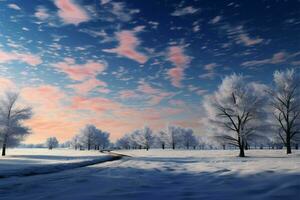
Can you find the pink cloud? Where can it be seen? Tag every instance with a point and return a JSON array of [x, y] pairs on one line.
[[128, 94], [80, 72], [23, 57], [148, 89], [70, 12], [46, 96], [128, 44], [95, 104], [176, 74], [180, 60], [89, 85]]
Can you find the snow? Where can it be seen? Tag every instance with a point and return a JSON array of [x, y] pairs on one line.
[[25, 162], [168, 174]]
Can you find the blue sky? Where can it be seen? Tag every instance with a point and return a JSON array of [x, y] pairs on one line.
[[126, 64]]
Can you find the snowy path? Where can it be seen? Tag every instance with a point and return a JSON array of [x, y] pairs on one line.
[[168, 175]]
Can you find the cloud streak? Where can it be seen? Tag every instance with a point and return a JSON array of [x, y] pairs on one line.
[[177, 56], [30, 59]]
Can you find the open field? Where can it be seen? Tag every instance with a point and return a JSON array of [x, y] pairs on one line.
[[158, 174]]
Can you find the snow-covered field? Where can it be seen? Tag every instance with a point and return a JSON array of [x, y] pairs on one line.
[[167, 174], [25, 162]]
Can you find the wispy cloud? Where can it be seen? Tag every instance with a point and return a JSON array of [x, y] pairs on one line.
[[80, 72], [14, 6], [184, 11], [121, 12], [128, 44], [30, 59], [215, 20], [277, 58], [241, 36], [89, 85], [177, 56], [42, 13]]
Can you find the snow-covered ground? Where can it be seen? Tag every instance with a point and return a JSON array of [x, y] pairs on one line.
[[25, 162], [169, 174]]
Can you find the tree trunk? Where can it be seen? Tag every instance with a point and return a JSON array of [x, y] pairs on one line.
[[163, 146], [288, 147], [242, 153], [4, 149], [173, 145]]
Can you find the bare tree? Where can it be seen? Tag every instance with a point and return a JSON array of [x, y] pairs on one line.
[[236, 108], [12, 130], [285, 100], [51, 143]]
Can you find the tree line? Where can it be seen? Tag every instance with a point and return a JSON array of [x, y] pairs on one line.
[[173, 137]]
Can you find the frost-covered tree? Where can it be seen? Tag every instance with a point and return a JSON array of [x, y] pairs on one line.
[[75, 142], [285, 100], [142, 138], [124, 142], [101, 140], [92, 137], [162, 139], [147, 137], [236, 110], [188, 138], [12, 115], [174, 135], [51, 143]]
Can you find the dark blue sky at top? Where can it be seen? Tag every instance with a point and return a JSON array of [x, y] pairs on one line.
[[252, 37]]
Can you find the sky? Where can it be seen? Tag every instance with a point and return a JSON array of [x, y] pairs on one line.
[[122, 65]]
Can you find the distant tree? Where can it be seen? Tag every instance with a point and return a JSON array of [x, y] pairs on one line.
[[51, 143], [174, 135], [147, 137], [101, 140], [66, 144], [162, 139], [237, 110], [285, 100], [75, 142], [12, 130], [124, 142], [189, 139], [92, 137]]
